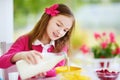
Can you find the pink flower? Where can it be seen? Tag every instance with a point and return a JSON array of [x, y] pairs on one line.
[[84, 49], [104, 45], [104, 34], [117, 51], [52, 10], [97, 36], [112, 37]]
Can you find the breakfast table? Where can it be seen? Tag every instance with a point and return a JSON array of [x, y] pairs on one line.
[[88, 69], [88, 66], [91, 74]]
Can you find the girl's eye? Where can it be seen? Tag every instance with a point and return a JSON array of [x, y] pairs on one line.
[[65, 30], [58, 24]]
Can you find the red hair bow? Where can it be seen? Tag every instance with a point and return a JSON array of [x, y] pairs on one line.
[[52, 10]]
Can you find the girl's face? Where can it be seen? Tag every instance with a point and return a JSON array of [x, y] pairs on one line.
[[58, 26]]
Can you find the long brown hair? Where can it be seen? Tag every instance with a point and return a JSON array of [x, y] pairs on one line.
[[40, 28]]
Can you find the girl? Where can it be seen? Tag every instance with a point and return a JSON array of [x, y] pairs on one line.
[[50, 34]]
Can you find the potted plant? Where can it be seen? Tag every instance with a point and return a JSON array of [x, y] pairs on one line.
[[106, 47]]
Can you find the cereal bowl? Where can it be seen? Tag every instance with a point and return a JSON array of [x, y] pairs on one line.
[[64, 69], [71, 73]]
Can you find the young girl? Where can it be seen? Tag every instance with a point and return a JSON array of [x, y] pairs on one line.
[[50, 34]]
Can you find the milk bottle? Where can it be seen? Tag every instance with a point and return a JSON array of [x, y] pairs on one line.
[[48, 61]]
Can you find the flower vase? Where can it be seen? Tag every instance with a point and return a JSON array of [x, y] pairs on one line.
[[103, 62]]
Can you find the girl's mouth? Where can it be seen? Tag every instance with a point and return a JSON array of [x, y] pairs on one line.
[[55, 35]]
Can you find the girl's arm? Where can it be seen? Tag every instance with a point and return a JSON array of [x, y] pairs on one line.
[[5, 59]]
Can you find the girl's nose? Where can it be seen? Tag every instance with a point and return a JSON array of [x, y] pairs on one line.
[[60, 32]]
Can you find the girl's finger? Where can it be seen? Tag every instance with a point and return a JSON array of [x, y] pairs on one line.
[[35, 57], [45, 73], [27, 59], [38, 53], [42, 74], [31, 58]]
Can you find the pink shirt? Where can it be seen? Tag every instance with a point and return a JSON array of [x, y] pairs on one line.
[[21, 44]]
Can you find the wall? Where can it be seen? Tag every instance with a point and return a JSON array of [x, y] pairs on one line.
[[6, 20]]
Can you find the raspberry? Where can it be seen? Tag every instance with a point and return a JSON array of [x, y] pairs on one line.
[[105, 74]]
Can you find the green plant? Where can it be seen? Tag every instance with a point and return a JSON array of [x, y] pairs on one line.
[[107, 46]]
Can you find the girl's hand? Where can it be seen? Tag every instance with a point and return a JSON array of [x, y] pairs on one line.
[[29, 56], [41, 75], [38, 76]]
